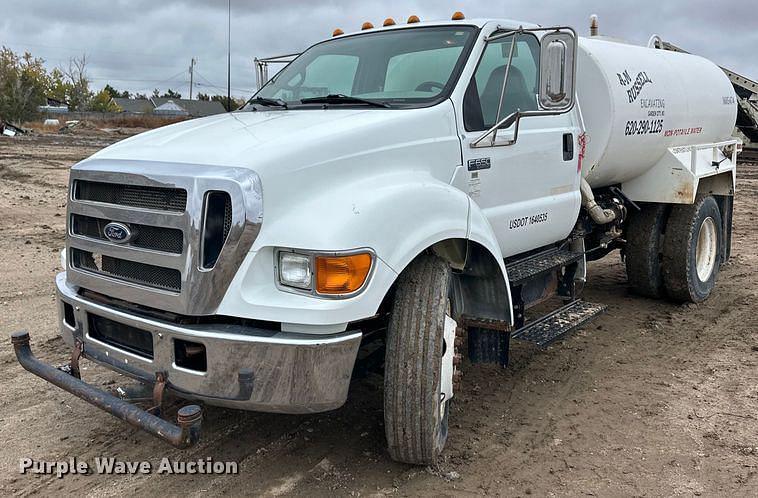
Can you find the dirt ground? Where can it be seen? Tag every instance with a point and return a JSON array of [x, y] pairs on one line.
[[650, 399]]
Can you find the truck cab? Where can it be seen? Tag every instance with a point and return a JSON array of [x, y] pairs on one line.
[[417, 186]]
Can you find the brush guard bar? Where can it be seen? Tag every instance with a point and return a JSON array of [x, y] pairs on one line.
[[184, 434]]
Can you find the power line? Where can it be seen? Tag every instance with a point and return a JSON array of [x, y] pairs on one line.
[[133, 80], [171, 78], [75, 49], [69, 50], [209, 83], [155, 82]]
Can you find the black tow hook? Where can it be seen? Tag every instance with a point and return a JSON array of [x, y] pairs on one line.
[[183, 435]]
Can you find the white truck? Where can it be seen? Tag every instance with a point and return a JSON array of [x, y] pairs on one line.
[[419, 186]]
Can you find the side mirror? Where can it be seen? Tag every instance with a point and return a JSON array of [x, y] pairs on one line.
[[557, 70]]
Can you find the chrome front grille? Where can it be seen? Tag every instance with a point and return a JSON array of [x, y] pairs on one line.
[[161, 264], [146, 236], [159, 198], [131, 271]]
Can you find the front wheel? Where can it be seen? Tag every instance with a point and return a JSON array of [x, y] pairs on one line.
[[420, 362]]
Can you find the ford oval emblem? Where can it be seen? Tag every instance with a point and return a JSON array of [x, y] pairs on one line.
[[118, 232]]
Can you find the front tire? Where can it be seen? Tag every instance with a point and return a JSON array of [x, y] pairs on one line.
[[415, 411], [692, 250]]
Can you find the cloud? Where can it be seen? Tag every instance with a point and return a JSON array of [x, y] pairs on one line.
[[139, 45]]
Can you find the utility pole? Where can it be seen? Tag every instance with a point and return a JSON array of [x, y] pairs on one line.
[[192, 74]]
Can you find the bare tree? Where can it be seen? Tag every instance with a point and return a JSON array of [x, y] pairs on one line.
[[79, 93]]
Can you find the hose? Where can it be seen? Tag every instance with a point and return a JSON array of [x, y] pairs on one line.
[[597, 213]]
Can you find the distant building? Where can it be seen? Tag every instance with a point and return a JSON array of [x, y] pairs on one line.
[[53, 106], [194, 108], [170, 107], [134, 106]]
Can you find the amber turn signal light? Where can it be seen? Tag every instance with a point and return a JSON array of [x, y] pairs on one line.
[[341, 274]]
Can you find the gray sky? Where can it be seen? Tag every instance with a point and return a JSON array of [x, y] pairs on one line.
[[139, 45]]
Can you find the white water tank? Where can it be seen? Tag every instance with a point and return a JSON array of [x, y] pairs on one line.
[[636, 102]]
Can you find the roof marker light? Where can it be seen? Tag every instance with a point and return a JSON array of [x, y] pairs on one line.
[[413, 19], [458, 16], [367, 25], [337, 32], [389, 22]]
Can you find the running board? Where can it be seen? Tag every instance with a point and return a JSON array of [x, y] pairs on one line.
[[555, 325], [537, 264]]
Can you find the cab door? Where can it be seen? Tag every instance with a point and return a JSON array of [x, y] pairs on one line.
[[527, 188]]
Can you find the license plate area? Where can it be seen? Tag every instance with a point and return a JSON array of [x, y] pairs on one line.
[[121, 336]]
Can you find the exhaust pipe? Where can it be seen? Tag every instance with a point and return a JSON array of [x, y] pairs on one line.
[[183, 435]]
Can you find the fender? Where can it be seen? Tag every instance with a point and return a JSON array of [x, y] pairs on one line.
[[480, 231], [397, 215]]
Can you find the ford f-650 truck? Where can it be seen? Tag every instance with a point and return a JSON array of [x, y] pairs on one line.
[[422, 185]]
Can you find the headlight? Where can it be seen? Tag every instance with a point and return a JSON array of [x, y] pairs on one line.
[[295, 270], [325, 274]]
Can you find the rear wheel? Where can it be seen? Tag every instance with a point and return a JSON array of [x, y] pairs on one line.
[[692, 250], [420, 364], [644, 249]]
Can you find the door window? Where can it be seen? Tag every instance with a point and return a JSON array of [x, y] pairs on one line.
[[483, 93]]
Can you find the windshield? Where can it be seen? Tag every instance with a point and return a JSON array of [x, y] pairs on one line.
[[399, 68]]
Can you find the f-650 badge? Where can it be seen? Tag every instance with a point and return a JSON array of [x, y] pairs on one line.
[[479, 163]]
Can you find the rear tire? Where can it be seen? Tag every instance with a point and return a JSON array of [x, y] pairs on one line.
[[692, 250], [644, 250], [415, 416]]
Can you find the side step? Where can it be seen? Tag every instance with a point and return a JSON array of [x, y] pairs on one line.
[[555, 325], [524, 269]]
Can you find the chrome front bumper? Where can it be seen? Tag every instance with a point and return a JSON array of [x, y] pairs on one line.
[[291, 373]]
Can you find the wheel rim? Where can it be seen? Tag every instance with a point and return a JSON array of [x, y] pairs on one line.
[[447, 372], [705, 252], [447, 366]]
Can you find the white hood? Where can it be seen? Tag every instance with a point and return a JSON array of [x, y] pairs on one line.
[[283, 140]]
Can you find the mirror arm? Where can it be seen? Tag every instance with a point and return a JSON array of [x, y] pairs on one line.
[[506, 122], [503, 34], [530, 30]]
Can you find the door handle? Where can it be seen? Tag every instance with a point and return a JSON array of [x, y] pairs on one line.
[[568, 146]]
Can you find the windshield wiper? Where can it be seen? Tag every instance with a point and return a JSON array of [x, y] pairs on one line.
[[268, 102], [338, 98]]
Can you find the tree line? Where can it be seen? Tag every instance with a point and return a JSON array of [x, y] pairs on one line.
[[26, 84]]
